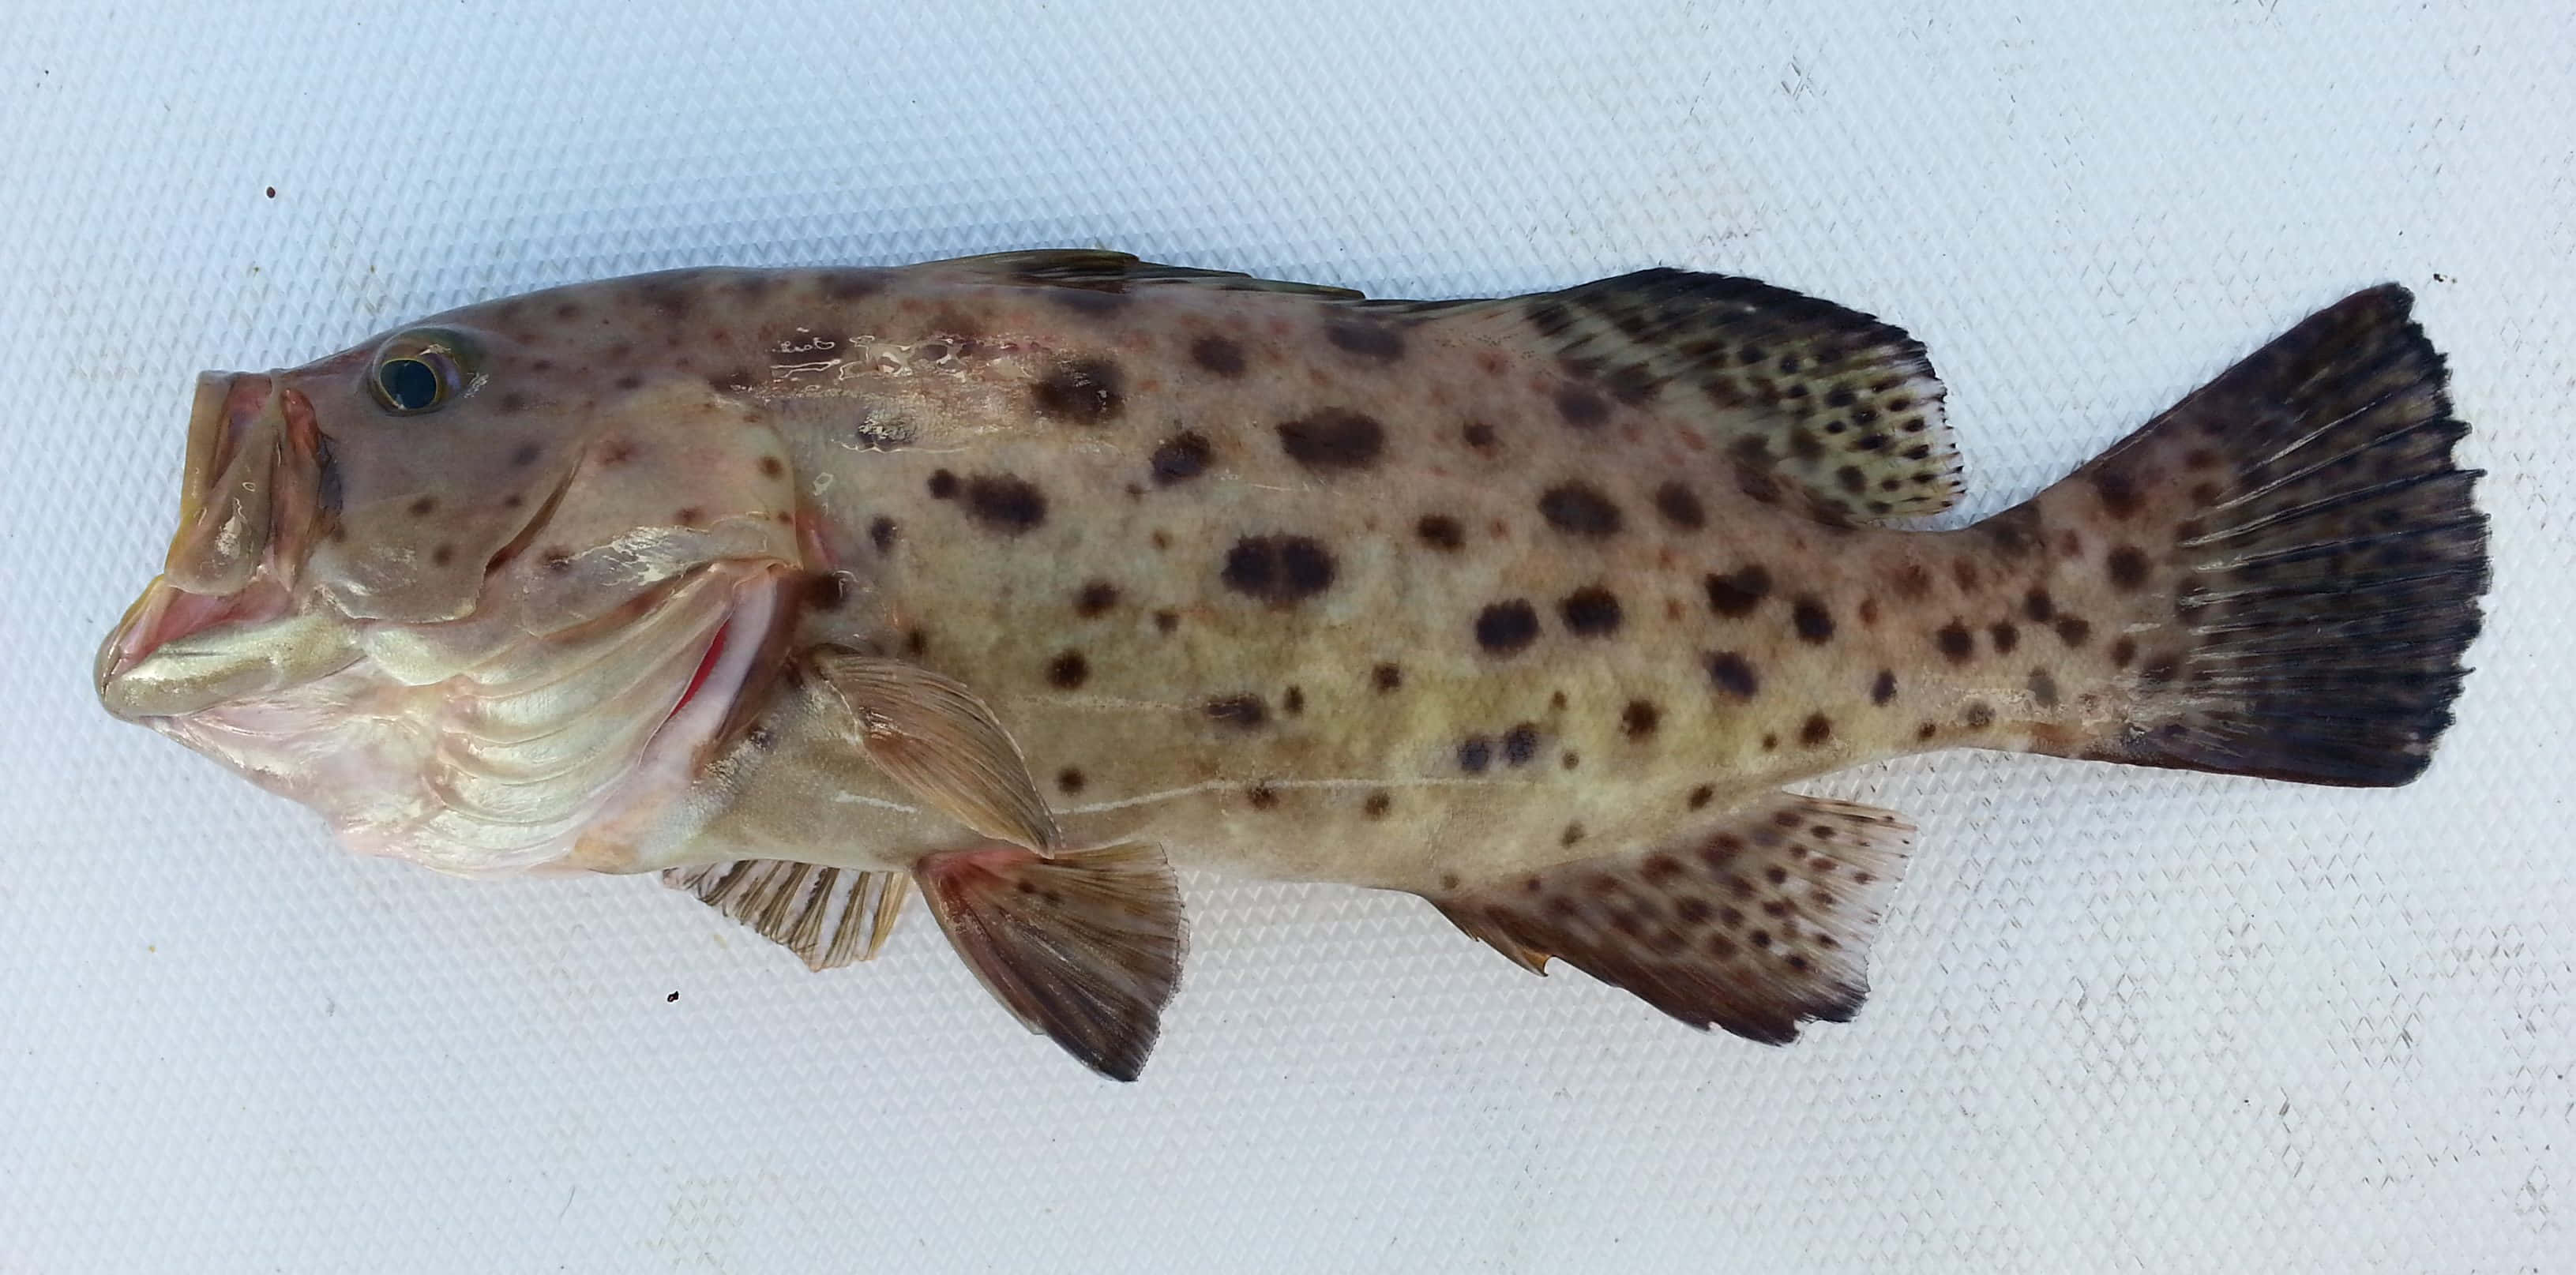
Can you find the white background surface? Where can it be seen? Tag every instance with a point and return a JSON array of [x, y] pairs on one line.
[[2123, 1019]]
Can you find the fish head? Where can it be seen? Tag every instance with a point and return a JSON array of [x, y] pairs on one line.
[[478, 591]]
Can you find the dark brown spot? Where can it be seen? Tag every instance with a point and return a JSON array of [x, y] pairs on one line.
[[1368, 340], [1590, 612], [1068, 671], [1386, 677], [1699, 797], [630, 381], [2004, 636], [1578, 509], [2038, 607], [942, 484], [772, 467], [1440, 531], [1083, 391], [2128, 567], [442, 555], [524, 455], [1507, 628], [1377, 805], [1475, 753], [1581, 408], [1333, 440], [1680, 507], [1068, 781], [1573, 835], [1814, 623], [1955, 642], [2119, 494], [1965, 572], [1816, 730], [1735, 595], [881, 533], [1181, 457], [1568, 760], [2043, 688], [1218, 355], [2123, 651], [1639, 719], [1520, 744], [1167, 621], [1770, 743], [849, 285], [1733, 674], [1979, 715], [424, 507], [1883, 687], [1927, 730], [1912, 582], [1005, 504], [1095, 599], [1294, 701], [513, 403], [1262, 796], [1691, 910], [1244, 712], [916, 643], [1280, 570], [2073, 630], [665, 297]]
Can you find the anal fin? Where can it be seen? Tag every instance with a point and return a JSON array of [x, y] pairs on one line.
[[1084, 946], [829, 917], [1755, 922]]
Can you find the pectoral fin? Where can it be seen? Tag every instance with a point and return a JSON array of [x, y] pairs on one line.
[[1755, 921], [829, 917], [933, 736], [1085, 947]]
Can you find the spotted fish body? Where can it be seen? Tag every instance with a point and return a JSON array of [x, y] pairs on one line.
[[1018, 576]]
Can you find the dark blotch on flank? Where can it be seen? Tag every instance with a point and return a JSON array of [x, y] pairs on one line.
[[1475, 753], [1507, 628], [1733, 674], [2128, 567], [1333, 439], [1699, 796], [1068, 780], [2123, 651], [1293, 701], [1590, 612], [1520, 744], [1218, 355], [1182, 457], [772, 467], [1883, 687], [2073, 630], [1578, 509], [1242, 711], [1440, 531], [1084, 391], [1814, 623], [1008, 505], [1956, 642], [1680, 507], [1166, 621], [524, 455], [1478, 435], [1263, 796], [881, 533], [1095, 599], [1735, 595], [1377, 805], [1817, 730], [424, 506], [1582, 408], [2043, 688], [2038, 607], [1366, 339], [2119, 494], [1639, 719], [1979, 715], [2004, 636], [1068, 670], [1386, 677], [942, 484], [1281, 570]]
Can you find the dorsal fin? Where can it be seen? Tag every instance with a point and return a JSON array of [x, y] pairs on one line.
[[1101, 270], [1796, 389]]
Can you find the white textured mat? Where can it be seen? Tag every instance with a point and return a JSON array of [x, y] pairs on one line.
[[2123, 1019]]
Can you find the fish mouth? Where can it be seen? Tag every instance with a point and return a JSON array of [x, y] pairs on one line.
[[219, 622]]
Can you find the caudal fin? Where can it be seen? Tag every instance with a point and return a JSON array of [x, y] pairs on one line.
[[2310, 555]]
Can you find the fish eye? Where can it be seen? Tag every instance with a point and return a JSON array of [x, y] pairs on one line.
[[419, 372]]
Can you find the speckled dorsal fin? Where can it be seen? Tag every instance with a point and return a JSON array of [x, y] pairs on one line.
[[1101, 270], [1791, 390], [1755, 922], [930, 734], [828, 917], [1085, 947]]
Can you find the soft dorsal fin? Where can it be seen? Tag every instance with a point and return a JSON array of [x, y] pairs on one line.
[[1796, 389], [1101, 270]]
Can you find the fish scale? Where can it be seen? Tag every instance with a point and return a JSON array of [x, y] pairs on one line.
[[1024, 578]]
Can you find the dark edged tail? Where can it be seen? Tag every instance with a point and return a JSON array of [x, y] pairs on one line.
[[2320, 562]]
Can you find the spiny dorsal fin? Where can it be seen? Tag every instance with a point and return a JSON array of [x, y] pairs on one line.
[[1795, 389], [1101, 270], [1754, 921], [829, 917]]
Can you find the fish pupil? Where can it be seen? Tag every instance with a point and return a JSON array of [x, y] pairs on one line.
[[409, 384]]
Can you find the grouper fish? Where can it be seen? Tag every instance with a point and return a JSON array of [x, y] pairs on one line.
[[1021, 579]]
